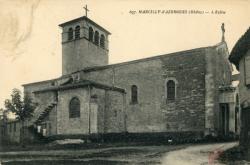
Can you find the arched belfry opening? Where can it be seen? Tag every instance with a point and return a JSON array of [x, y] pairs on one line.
[[70, 34], [102, 41], [96, 38], [77, 32], [90, 34], [84, 44]]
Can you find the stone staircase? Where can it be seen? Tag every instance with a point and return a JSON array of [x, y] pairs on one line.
[[38, 136], [45, 113]]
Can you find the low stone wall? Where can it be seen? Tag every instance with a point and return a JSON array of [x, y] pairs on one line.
[[159, 137]]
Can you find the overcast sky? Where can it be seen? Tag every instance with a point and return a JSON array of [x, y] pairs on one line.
[[30, 44]]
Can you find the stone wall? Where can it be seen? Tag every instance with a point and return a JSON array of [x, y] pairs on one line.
[[30, 88], [114, 119], [153, 113], [218, 73], [81, 53], [243, 89], [66, 125], [244, 96], [12, 132]]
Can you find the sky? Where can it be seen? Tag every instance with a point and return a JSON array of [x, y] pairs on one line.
[[30, 44]]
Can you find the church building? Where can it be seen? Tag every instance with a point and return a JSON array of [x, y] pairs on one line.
[[184, 94]]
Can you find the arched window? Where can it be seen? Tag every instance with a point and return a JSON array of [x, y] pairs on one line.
[[77, 32], [96, 38], [70, 34], [170, 90], [90, 34], [74, 108], [134, 94], [102, 41]]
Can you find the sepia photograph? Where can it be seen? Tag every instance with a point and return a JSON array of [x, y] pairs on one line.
[[124, 82]]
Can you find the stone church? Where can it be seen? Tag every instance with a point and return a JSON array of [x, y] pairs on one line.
[[182, 94]]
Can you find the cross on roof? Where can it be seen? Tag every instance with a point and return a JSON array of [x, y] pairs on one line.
[[86, 10], [223, 31]]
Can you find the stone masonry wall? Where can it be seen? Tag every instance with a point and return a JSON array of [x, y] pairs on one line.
[[81, 53], [153, 113], [244, 90], [218, 73], [244, 95], [30, 88], [13, 131], [106, 112], [66, 125], [111, 113], [114, 114]]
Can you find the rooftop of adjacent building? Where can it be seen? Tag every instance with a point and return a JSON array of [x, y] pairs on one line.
[[240, 49]]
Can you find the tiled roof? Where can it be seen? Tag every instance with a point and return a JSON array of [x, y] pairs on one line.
[[82, 83], [227, 88], [240, 48], [87, 19]]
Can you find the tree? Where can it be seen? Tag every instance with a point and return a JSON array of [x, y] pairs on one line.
[[3, 114], [23, 108]]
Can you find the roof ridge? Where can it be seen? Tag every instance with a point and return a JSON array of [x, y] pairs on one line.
[[141, 59]]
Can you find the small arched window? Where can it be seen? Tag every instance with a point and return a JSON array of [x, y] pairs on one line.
[[102, 41], [70, 34], [74, 108], [77, 32], [91, 34], [96, 38], [170, 90], [134, 94]]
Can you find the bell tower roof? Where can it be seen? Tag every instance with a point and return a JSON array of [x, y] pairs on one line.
[[84, 18]]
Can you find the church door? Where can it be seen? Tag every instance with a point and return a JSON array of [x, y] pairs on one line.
[[224, 119]]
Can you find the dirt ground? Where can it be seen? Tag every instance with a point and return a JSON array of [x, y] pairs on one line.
[[207, 154], [187, 154]]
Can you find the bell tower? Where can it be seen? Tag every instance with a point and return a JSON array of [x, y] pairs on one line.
[[84, 44]]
